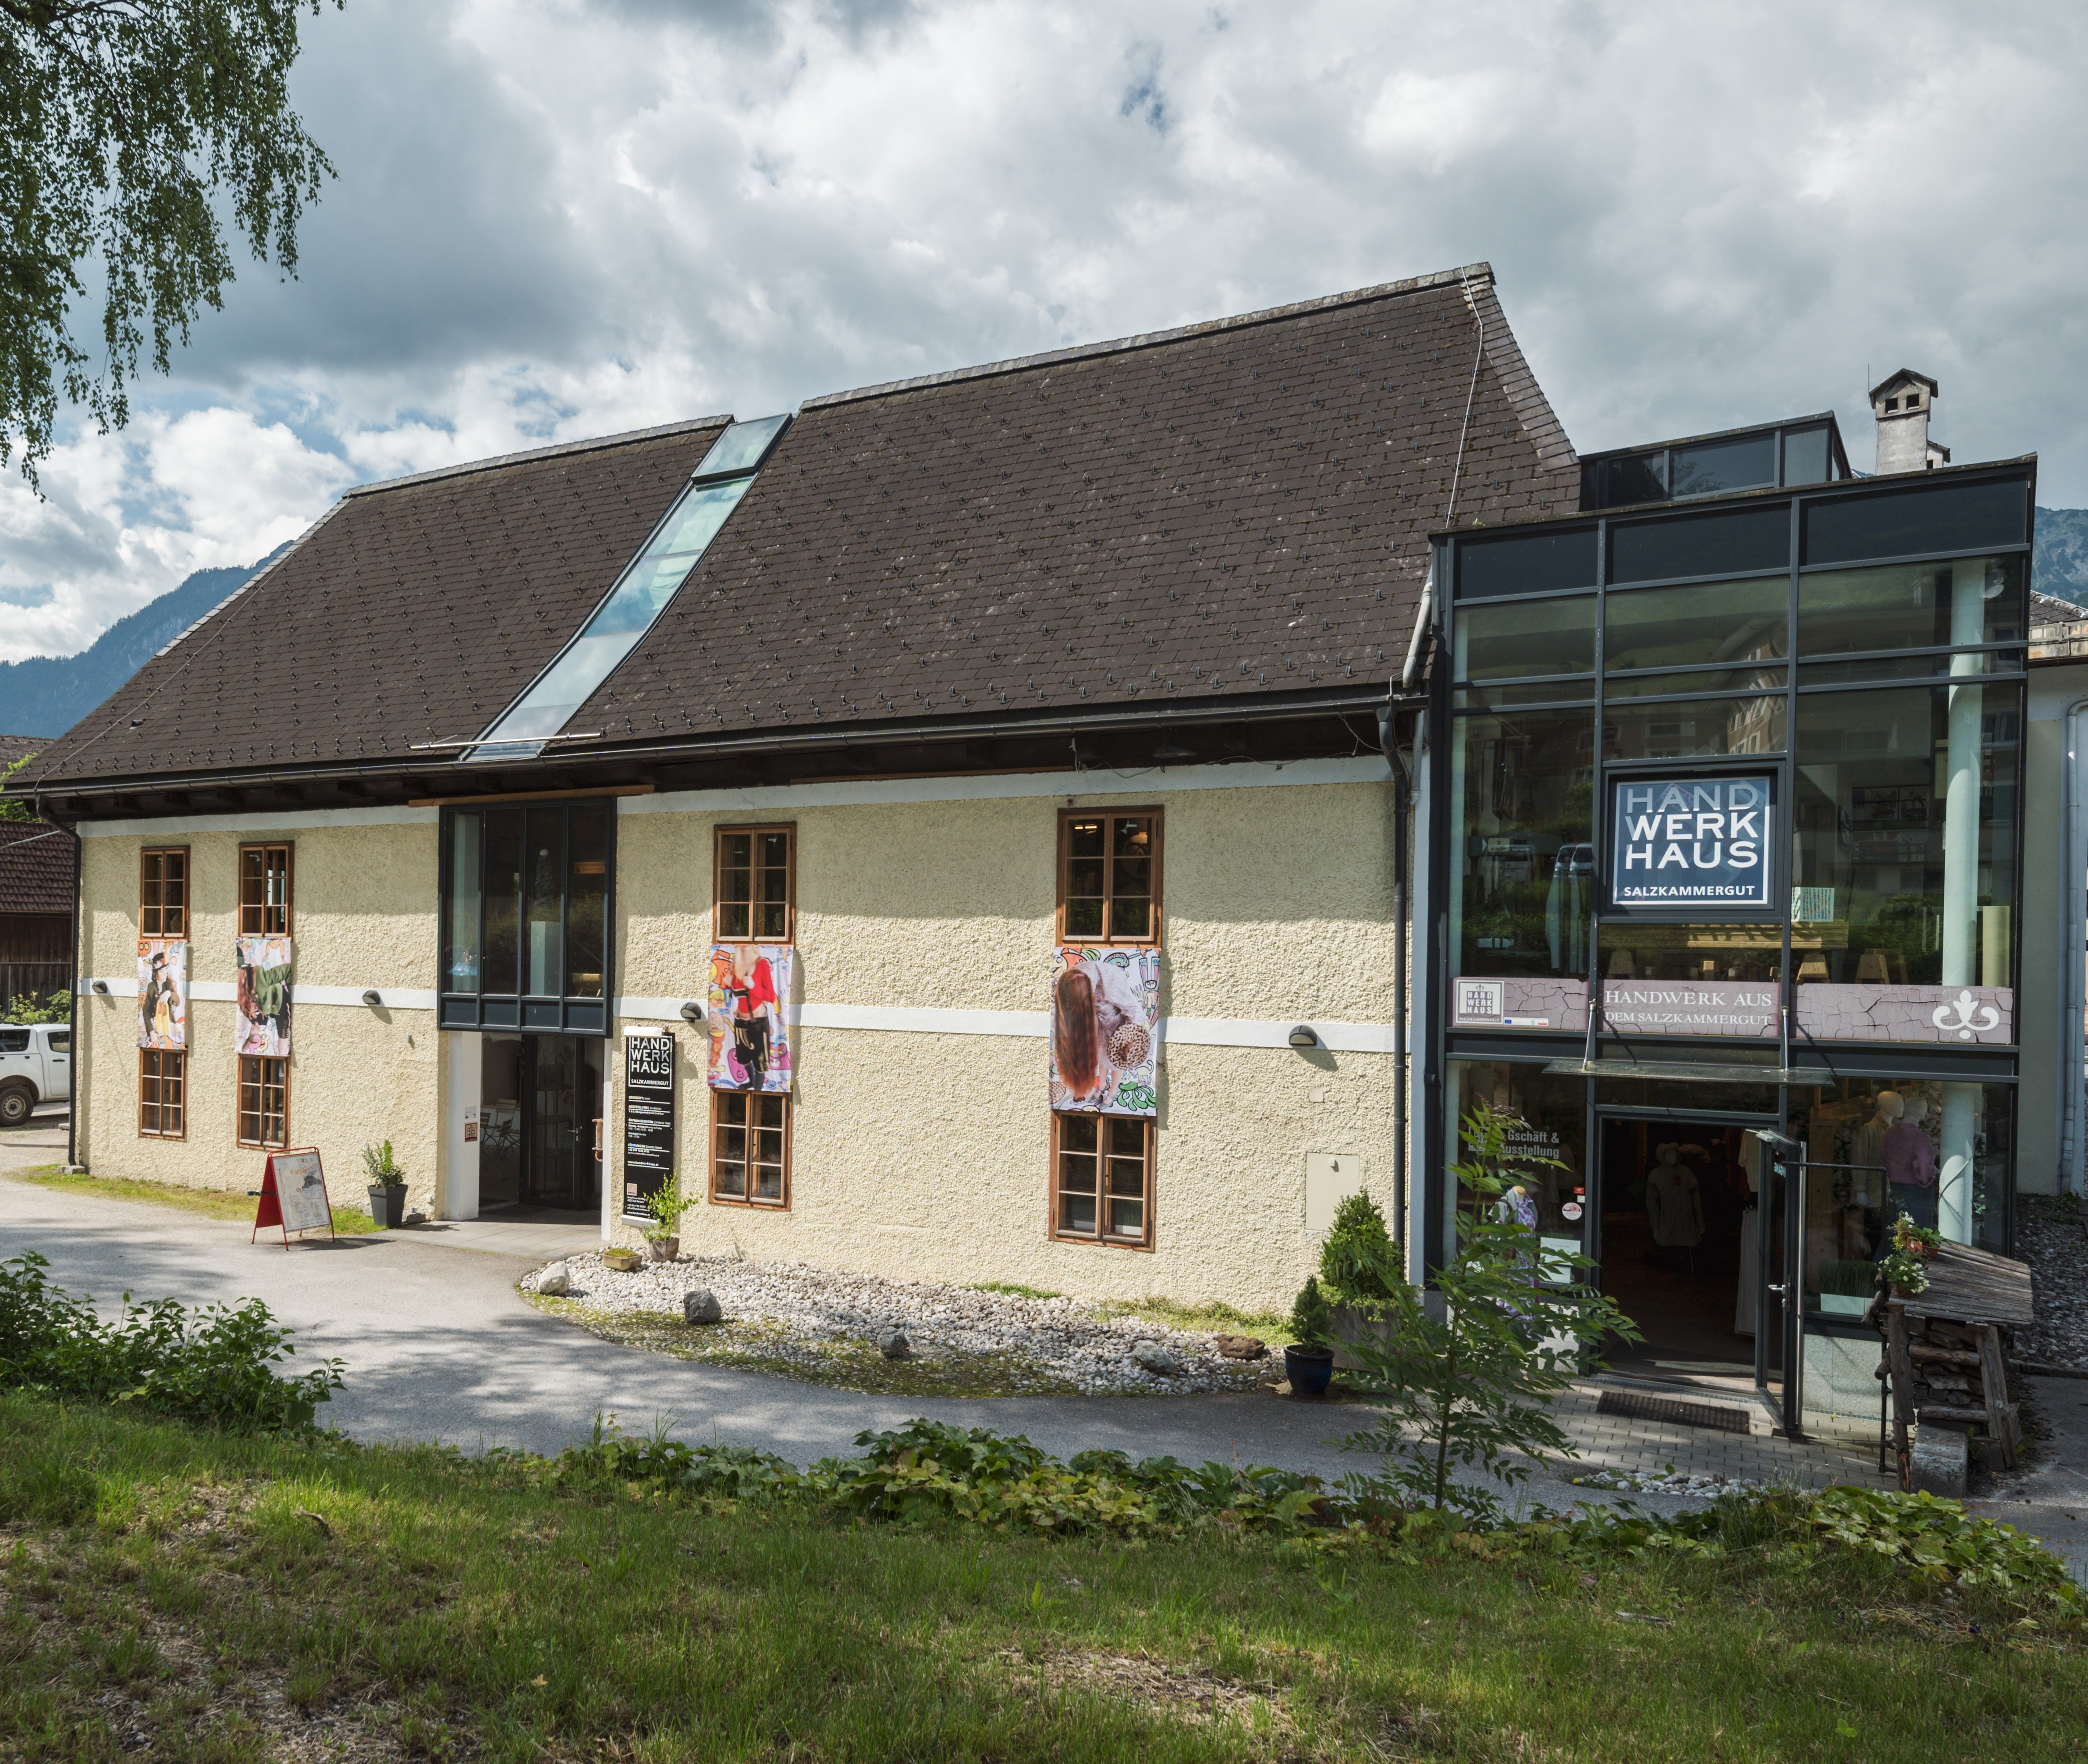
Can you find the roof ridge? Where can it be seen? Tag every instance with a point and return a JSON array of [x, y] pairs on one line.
[[591, 445], [1481, 273]]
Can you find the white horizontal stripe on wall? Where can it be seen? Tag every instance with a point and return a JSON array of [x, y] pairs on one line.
[[1188, 1031], [1151, 781], [397, 998], [290, 821]]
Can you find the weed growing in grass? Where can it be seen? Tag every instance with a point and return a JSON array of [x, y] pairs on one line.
[[1012, 1290]]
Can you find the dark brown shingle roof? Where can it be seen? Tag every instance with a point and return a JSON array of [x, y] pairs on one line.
[[1241, 507], [411, 609], [36, 868]]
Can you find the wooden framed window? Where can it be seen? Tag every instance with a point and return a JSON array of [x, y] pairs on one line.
[[757, 883], [750, 1149], [163, 1084], [1109, 876], [264, 891], [264, 1102], [1102, 1180], [163, 892]]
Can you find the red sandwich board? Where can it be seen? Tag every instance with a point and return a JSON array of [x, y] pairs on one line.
[[297, 1202]]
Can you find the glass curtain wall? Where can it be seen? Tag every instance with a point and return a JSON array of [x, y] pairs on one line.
[[1883, 689], [525, 917]]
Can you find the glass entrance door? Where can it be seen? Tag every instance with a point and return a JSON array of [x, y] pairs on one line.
[[1780, 1257], [560, 1089]]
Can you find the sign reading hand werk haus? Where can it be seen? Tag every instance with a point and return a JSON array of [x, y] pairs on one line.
[[1690, 842]]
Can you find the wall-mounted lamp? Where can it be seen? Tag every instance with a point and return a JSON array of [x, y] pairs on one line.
[[1302, 1037], [692, 1012], [102, 988], [373, 997]]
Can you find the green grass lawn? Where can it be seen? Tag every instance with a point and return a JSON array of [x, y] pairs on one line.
[[211, 1203], [169, 1592]]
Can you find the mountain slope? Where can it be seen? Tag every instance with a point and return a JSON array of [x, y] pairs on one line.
[[45, 696], [2058, 561]]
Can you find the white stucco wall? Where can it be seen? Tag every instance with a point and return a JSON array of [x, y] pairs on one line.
[[927, 1154], [363, 907], [915, 1153]]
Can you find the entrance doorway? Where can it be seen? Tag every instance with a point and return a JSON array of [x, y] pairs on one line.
[[540, 1100], [1677, 1227]]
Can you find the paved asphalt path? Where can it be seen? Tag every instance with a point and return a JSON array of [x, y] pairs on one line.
[[437, 1345]]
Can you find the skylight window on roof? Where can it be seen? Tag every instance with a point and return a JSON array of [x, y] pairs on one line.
[[641, 595]]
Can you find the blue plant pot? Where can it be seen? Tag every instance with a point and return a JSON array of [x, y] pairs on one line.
[[1310, 1369]]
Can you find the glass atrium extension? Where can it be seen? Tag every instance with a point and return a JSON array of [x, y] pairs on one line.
[[1725, 827]]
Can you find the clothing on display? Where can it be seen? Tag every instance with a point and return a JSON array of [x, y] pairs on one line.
[[1674, 1204], [1908, 1156]]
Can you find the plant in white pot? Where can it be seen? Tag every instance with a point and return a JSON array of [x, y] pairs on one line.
[[387, 1185], [663, 1232]]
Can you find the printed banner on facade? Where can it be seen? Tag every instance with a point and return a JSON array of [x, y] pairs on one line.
[[1106, 1030], [1690, 842], [750, 1040], [261, 996], [163, 993]]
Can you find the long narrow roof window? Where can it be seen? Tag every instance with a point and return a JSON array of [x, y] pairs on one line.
[[641, 595]]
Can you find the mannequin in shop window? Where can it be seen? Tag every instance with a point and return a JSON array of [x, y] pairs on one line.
[[1673, 1205], [1908, 1156]]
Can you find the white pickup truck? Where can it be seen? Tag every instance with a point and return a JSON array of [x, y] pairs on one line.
[[36, 1066]]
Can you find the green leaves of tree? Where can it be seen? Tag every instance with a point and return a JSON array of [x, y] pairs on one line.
[[126, 124]]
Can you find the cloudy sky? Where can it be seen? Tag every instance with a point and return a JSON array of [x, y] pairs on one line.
[[557, 218]]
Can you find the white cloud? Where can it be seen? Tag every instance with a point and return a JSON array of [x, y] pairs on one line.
[[556, 219]]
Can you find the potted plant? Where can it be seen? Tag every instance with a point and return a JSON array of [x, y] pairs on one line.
[[1310, 1363], [1905, 1266], [388, 1186], [663, 1232], [1358, 1269]]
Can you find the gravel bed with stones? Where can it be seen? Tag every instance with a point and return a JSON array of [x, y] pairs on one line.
[[826, 1324], [2053, 1239], [1673, 1482]]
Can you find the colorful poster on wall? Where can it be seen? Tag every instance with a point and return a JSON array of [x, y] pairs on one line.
[[163, 993], [261, 995], [1106, 1030], [750, 1039]]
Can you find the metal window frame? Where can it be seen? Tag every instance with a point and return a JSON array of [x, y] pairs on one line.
[[563, 1013]]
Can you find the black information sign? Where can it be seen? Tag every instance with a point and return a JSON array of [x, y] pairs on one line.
[[1700, 843], [649, 1119]]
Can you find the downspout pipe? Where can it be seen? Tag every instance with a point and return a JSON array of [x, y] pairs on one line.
[[1402, 800]]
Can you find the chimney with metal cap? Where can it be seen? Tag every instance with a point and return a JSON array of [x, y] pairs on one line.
[[1901, 403]]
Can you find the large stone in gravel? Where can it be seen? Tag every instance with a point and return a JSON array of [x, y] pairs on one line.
[[1940, 1461], [1240, 1347], [1154, 1358], [893, 1344], [555, 1280], [699, 1305]]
